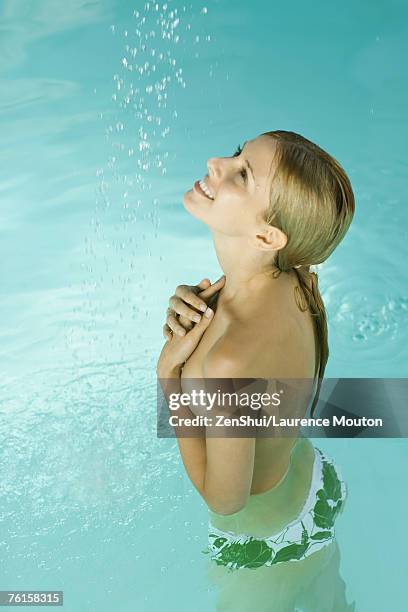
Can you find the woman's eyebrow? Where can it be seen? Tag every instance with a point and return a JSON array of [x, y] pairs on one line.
[[248, 164]]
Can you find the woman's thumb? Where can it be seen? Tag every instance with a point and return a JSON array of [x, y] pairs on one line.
[[204, 284], [212, 289]]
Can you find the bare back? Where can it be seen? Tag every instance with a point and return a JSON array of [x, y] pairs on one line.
[[269, 324]]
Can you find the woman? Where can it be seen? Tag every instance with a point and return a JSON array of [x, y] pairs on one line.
[[274, 208]]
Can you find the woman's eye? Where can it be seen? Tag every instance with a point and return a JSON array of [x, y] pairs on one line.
[[237, 153]]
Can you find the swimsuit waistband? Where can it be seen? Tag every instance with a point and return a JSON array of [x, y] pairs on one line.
[[309, 532]]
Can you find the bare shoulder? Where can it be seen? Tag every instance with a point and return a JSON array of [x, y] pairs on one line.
[[266, 342], [226, 359], [249, 348]]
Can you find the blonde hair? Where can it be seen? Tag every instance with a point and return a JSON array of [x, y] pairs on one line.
[[312, 202]]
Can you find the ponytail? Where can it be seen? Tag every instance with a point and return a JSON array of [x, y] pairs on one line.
[[307, 297]]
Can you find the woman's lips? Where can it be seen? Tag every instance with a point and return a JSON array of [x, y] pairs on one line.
[[198, 189]]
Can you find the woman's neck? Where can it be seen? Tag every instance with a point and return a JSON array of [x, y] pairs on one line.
[[246, 269]]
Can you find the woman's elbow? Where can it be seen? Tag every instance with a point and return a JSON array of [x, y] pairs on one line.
[[225, 508]]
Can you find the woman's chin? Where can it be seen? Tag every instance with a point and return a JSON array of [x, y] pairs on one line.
[[193, 205]]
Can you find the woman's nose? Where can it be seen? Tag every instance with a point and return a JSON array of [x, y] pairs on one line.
[[213, 165]]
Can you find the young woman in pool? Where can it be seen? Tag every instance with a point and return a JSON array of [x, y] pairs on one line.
[[276, 207]]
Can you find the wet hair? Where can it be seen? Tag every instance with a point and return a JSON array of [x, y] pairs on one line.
[[312, 202]]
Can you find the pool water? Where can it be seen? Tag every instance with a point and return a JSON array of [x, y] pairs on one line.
[[100, 139]]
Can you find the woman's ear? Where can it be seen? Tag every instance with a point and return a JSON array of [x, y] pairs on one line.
[[270, 238]]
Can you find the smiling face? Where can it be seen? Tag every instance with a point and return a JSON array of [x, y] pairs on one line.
[[240, 185]]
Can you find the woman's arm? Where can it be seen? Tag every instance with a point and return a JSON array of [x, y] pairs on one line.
[[230, 460], [174, 354], [220, 468], [192, 449], [181, 335]]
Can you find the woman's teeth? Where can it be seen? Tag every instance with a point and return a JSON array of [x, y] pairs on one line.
[[206, 190]]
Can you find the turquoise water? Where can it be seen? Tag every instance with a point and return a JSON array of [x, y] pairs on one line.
[[100, 139]]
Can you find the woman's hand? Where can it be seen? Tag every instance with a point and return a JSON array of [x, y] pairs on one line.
[[178, 349], [180, 316]]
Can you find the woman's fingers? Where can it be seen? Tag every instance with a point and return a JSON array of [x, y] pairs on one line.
[[173, 324], [180, 315], [167, 332], [209, 291], [181, 308], [186, 323], [198, 330], [192, 294], [188, 294]]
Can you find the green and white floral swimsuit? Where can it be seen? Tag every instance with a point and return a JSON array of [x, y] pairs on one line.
[[309, 532]]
